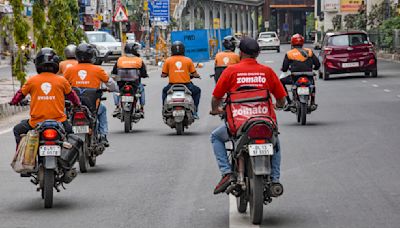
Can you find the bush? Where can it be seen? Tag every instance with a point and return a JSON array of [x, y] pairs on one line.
[[387, 30]]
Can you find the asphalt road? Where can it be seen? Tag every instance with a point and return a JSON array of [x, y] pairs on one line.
[[341, 170]]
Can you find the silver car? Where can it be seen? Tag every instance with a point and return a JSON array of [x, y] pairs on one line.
[[269, 41], [107, 46]]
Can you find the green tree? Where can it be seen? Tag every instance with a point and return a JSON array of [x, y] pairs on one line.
[[20, 32], [387, 28], [39, 24], [78, 34], [337, 22], [59, 25]]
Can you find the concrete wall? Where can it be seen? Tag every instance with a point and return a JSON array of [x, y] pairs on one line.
[[7, 110]]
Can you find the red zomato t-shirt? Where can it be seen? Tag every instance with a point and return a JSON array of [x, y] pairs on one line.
[[249, 73]]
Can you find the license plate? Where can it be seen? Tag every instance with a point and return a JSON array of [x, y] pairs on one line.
[[127, 99], [347, 65], [261, 149], [178, 113], [50, 151], [80, 129], [303, 91]]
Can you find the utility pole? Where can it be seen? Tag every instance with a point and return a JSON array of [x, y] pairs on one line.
[[147, 28]]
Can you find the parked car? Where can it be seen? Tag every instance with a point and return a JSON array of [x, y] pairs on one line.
[[347, 52], [130, 38], [107, 46], [269, 41]]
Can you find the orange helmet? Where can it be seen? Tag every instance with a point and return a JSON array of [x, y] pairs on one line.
[[297, 40]]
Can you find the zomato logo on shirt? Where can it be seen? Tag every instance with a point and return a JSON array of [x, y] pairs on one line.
[[250, 111], [256, 79]]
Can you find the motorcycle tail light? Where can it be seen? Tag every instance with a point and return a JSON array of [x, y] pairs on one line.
[[50, 143], [79, 115], [127, 88], [303, 80], [127, 94], [178, 108], [49, 134], [178, 99], [260, 141], [260, 131]]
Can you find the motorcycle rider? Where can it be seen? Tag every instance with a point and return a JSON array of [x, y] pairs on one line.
[[131, 60], [227, 57], [87, 75], [48, 92], [229, 82], [298, 59], [179, 69], [69, 53]]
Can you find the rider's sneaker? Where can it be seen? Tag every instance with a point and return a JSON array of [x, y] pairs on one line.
[[116, 112], [104, 140], [313, 107], [196, 116], [141, 111], [226, 180], [287, 107]]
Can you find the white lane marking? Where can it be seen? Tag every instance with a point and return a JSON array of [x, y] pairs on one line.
[[237, 220], [6, 131], [387, 90], [363, 81], [398, 96], [375, 85], [268, 61]]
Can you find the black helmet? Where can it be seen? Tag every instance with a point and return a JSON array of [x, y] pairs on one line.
[[132, 48], [250, 47], [178, 48], [229, 43], [85, 53], [69, 51], [47, 61]]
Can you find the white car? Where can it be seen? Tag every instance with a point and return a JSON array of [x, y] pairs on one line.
[[130, 38], [269, 41], [107, 46]]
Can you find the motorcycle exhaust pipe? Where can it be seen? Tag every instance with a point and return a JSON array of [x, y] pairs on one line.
[[276, 189], [69, 176]]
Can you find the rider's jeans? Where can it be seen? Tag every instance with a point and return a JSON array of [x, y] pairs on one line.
[[102, 116], [218, 139], [117, 98]]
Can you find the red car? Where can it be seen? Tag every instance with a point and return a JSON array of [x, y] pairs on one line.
[[347, 52]]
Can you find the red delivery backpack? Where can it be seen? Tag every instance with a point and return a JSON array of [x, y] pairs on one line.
[[245, 104]]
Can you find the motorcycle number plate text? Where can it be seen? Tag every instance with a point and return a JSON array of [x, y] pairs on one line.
[[178, 94], [50, 151], [353, 64], [127, 99], [80, 129], [261, 149], [178, 113], [303, 91]]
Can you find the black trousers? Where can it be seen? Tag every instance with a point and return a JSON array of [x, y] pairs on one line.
[[24, 127]]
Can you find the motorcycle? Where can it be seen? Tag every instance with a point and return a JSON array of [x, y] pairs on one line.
[[303, 89], [254, 137], [56, 157], [130, 94], [85, 125], [178, 108], [218, 71]]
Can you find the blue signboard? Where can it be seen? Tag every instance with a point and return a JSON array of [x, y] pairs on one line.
[[159, 12], [196, 43]]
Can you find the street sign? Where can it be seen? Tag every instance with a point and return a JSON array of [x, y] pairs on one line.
[[120, 15], [216, 23], [159, 12], [196, 43]]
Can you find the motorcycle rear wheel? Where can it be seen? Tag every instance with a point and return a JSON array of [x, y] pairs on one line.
[[83, 158], [127, 122], [179, 128], [256, 197], [303, 113], [48, 188], [241, 203], [298, 112]]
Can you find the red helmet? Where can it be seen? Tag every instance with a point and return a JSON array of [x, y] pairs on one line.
[[297, 40]]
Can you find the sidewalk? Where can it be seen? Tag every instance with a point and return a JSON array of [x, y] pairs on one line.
[[389, 56]]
